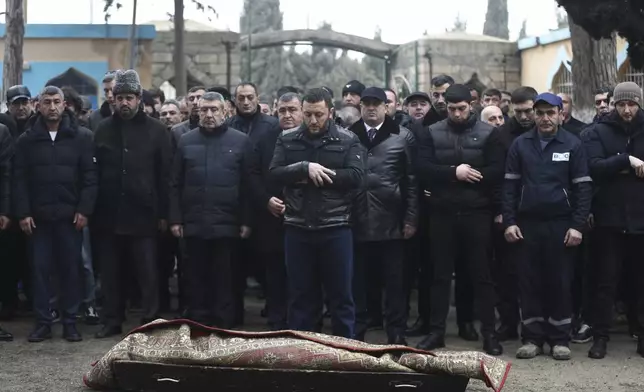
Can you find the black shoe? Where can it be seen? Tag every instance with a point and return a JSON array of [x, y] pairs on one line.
[[640, 346], [91, 316], [420, 328], [598, 350], [582, 335], [71, 334], [492, 346], [468, 333], [397, 340], [505, 333], [108, 331], [5, 336], [40, 334], [432, 342]]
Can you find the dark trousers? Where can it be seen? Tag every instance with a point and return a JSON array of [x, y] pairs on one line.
[[582, 279], [468, 236], [545, 268], [616, 252], [244, 254], [168, 252], [276, 289], [120, 257], [418, 269], [376, 262], [15, 266], [210, 293], [505, 277], [315, 260], [55, 249], [463, 291]]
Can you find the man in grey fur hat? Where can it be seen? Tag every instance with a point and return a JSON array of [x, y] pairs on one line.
[[133, 154]]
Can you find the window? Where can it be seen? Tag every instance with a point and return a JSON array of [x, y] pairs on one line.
[[562, 82], [629, 74]]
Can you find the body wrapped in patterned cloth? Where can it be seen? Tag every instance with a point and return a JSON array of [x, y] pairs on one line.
[[183, 342]]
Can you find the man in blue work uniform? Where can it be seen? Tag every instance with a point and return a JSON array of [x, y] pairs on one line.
[[546, 201], [320, 167]]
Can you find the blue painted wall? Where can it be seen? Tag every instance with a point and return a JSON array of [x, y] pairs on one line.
[[85, 31], [41, 72]]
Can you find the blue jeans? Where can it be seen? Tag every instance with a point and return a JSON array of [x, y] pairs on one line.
[[55, 249], [316, 260]]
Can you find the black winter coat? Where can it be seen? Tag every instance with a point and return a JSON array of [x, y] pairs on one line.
[[448, 145], [182, 128], [574, 126], [308, 206], [53, 180], [134, 158], [255, 125], [388, 198], [99, 115], [210, 183], [619, 195], [6, 156]]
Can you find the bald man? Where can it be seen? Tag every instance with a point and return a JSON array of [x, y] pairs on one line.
[[492, 115], [570, 123]]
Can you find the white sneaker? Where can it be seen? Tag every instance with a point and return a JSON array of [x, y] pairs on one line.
[[529, 351], [560, 353]]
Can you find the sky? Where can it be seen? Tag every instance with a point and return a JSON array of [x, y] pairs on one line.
[[401, 21]]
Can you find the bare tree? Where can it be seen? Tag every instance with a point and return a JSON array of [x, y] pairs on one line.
[[594, 65], [13, 41]]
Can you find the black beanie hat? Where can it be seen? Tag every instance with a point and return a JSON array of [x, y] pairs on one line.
[[458, 93]]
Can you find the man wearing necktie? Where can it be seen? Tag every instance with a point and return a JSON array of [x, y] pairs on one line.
[[385, 212]]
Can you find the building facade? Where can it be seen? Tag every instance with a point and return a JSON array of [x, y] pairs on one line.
[[546, 62], [80, 55]]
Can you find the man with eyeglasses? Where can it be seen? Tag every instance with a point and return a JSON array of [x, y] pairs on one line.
[[546, 201]]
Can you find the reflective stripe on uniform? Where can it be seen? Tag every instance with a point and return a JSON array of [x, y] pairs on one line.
[[559, 323], [581, 179], [512, 176], [533, 320]]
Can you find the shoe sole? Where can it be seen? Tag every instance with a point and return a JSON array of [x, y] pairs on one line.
[[581, 341], [6, 339], [39, 340]]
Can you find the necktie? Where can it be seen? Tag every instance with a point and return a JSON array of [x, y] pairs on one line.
[[372, 133]]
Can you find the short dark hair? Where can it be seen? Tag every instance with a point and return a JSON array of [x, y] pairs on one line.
[[109, 76], [212, 96], [492, 92], [52, 90], [505, 92], [72, 98], [171, 102], [242, 84], [196, 88], [391, 91], [441, 79], [523, 94], [316, 95], [158, 93], [264, 99], [603, 90]]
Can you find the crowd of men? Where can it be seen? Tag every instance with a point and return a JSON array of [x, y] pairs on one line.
[[329, 204]]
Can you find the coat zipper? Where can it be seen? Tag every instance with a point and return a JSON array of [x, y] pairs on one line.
[[567, 200]]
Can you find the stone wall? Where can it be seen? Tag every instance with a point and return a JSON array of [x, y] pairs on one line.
[[206, 58], [496, 62]]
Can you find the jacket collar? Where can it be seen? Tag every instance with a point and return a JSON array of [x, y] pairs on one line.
[[67, 127], [140, 117], [534, 134], [388, 127], [331, 133]]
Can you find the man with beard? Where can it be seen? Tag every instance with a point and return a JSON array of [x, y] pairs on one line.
[[347, 115], [209, 209], [192, 101], [54, 194], [418, 105], [133, 153], [546, 201], [461, 160], [394, 109], [616, 153], [504, 266], [417, 253], [319, 166], [386, 210], [107, 108], [251, 121]]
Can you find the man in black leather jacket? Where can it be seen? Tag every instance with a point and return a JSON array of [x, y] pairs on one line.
[[461, 159], [386, 216], [320, 167]]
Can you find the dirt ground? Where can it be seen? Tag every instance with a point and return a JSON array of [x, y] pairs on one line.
[[58, 366]]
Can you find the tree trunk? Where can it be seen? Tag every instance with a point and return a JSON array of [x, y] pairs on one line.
[[180, 74], [496, 19], [14, 36], [594, 65]]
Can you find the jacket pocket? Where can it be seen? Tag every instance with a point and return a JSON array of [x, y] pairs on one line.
[[332, 156]]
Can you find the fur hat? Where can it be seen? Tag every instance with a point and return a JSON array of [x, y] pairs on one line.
[[127, 82]]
